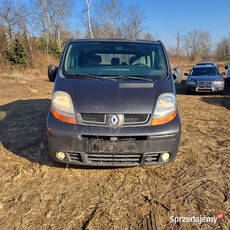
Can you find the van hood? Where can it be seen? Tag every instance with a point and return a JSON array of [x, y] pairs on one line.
[[113, 96]]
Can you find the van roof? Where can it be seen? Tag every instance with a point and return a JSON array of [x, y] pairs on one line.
[[115, 40]]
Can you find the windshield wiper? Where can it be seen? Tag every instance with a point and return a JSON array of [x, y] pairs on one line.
[[83, 75], [123, 77], [127, 77]]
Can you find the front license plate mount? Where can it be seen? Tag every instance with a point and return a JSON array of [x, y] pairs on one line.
[[113, 147]]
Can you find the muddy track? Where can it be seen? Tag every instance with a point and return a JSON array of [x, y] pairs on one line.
[[36, 193]]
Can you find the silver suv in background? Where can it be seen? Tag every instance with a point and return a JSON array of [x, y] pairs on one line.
[[204, 78]]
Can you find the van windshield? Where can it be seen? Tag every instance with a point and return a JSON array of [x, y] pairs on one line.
[[115, 59]]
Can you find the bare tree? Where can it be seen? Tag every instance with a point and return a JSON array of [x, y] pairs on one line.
[[182, 45], [3, 43], [133, 26], [12, 15], [27, 38], [53, 16], [222, 51], [178, 41], [197, 43], [88, 4], [106, 18], [148, 36]]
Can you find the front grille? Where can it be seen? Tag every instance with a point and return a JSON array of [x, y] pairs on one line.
[[135, 118], [204, 83], [114, 158], [152, 157], [74, 156], [110, 159], [127, 119], [93, 118]]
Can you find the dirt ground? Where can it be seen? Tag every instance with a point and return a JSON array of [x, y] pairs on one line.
[[36, 193]]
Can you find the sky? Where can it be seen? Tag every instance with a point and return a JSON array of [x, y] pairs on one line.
[[163, 18]]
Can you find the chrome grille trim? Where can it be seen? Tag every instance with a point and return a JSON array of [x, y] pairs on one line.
[[128, 119], [204, 83]]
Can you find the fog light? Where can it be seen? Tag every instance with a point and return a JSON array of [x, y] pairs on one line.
[[60, 155], [165, 156]]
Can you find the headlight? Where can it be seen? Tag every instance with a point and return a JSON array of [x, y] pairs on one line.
[[165, 110], [62, 107], [191, 83], [218, 82]]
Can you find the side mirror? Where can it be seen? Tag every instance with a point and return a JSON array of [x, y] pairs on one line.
[[222, 74], [177, 75], [52, 71]]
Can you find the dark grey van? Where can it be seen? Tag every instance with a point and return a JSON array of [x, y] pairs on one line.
[[113, 104]]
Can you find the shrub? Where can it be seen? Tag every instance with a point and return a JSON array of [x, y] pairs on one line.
[[17, 55]]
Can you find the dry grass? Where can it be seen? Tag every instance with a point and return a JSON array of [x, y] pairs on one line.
[[38, 194], [38, 70]]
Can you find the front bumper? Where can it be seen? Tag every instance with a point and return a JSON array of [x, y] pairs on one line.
[[105, 146], [212, 88]]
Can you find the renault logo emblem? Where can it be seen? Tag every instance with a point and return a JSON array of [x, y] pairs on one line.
[[114, 120]]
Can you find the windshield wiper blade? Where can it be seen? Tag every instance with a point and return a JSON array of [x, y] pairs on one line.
[[123, 77], [133, 78], [84, 75]]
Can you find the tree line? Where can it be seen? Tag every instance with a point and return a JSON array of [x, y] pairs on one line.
[[42, 26], [198, 43]]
